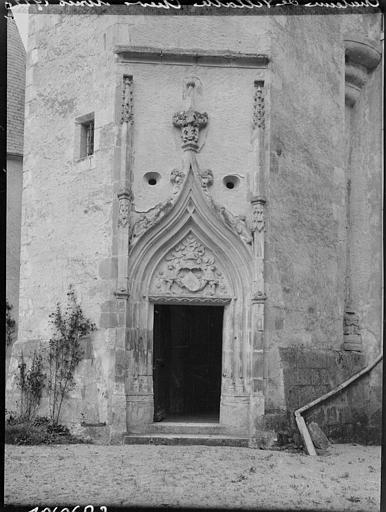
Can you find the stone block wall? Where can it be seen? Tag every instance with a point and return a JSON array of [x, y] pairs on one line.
[[67, 212], [354, 414], [305, 240]]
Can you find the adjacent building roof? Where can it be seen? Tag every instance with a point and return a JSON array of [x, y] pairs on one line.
[[16, 60]]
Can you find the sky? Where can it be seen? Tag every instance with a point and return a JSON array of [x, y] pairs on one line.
[[21, 19]]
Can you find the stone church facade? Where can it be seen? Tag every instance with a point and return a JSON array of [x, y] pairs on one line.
[[212, 188]]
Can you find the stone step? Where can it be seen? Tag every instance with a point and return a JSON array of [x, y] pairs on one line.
[[187, 440], [169, 427]]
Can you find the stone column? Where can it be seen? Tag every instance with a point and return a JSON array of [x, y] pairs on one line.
[[257, 224], [125, 198], [227, 334], [361, 58], [139, 395], [125, 195]]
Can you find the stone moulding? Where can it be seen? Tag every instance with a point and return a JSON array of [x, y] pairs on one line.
[[362, 51], [259, 297], [205, 301], [121, 294], [196, 56], [362, 57]]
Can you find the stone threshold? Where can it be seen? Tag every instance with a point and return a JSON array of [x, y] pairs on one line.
[[187, 440]]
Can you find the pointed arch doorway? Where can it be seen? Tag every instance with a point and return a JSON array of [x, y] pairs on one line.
[[187, 362], [186, 260]]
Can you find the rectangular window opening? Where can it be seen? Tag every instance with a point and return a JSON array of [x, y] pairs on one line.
[[87, 139], [85, 134]]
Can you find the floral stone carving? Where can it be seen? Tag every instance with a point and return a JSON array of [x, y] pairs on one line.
[[257, 222], [236, 222], [145, 220], [206, 178], [124, 214], [258, 106], [177, 177], [127, 99], [125, 197], [189, 268]]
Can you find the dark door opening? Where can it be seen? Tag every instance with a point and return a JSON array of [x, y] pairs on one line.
[[187, 357]]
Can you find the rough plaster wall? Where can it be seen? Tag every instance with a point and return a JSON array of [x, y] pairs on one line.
[[14, 186], [67, 204], [227, 97], [362, 25], [305, 246], [237, 33], [366, 212]]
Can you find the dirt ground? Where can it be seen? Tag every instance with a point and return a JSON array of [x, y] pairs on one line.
[[348, 478]]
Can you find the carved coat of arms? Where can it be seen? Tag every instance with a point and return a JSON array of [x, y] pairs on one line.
[[188, 267]]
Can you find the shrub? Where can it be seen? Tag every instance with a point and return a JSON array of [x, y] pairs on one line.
[[40, 430], [65, 351], [31, 384], [10, 323]]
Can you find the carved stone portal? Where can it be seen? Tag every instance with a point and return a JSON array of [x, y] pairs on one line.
[[189, 268]]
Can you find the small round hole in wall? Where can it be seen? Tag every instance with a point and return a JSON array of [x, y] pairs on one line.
[[231, 182], [152, 178]]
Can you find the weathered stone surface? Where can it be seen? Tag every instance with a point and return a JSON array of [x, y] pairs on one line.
[[318, 437]]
